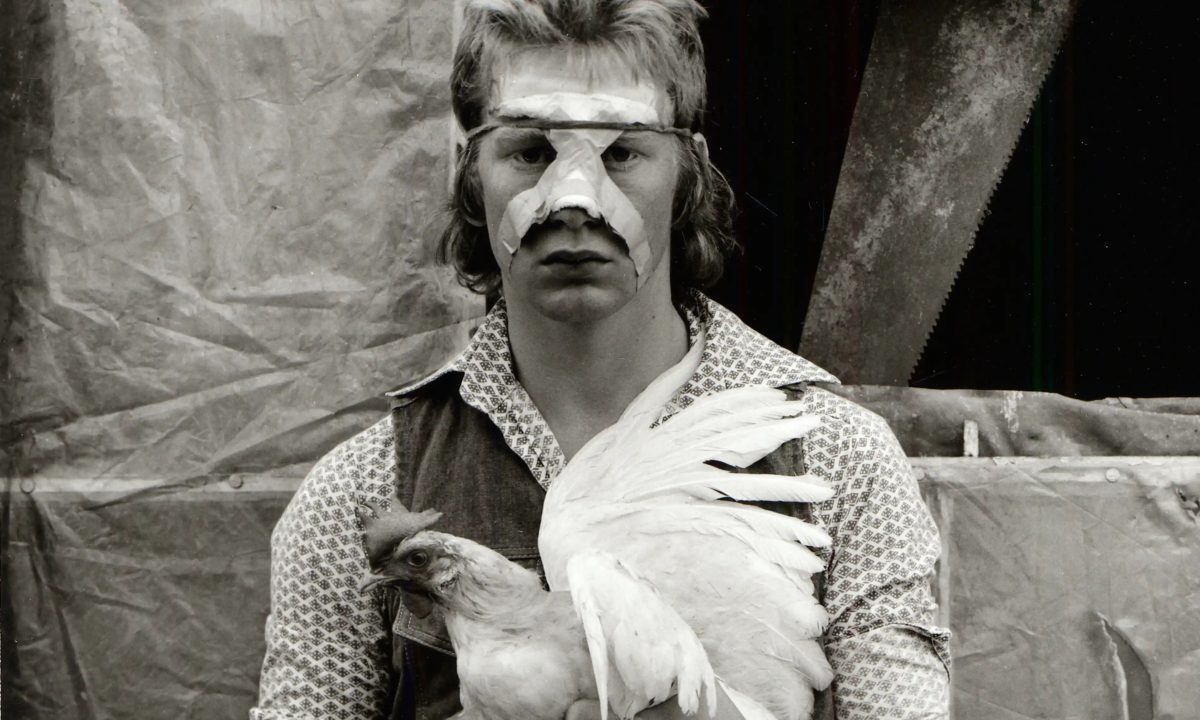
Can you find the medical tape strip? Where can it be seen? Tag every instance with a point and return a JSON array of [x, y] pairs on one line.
[[577, 178], [579, 125]]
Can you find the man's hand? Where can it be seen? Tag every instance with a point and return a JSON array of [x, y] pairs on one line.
[[669, 710]]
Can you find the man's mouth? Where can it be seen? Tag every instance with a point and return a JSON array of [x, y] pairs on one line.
[[573, 257]]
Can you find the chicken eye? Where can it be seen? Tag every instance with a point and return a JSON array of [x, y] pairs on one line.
[[418, 558]]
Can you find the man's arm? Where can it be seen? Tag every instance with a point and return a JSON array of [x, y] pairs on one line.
[[890, 659], [327, 649]]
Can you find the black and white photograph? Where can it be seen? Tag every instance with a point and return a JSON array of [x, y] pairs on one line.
[[590, 359]]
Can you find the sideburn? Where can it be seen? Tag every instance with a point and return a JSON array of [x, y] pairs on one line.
[[464, 243]]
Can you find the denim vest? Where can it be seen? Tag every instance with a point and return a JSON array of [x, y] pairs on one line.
[[451, 457]]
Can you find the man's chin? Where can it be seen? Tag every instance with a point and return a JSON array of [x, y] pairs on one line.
[[580, 304]]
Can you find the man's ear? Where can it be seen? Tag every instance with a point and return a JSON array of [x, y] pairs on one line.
[[701, 145]]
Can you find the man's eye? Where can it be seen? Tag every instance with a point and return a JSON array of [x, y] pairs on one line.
[[619, 155], [536, 155]]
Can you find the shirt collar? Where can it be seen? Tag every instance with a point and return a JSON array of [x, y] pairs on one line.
[[734, 356]]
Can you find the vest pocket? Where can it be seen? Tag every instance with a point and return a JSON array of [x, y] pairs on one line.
[[429, 631]]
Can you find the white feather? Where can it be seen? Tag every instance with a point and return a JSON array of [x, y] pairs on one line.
[[747, 706], [708, 483], [651, 649], [740, 574]]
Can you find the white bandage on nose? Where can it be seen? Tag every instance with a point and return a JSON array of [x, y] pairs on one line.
[[577, 177]]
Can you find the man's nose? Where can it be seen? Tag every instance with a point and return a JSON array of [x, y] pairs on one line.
[[573, 218]]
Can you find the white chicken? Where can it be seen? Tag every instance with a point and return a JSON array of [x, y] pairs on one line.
[[672, 584]]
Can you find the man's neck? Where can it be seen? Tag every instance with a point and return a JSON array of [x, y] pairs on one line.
[[582, 376]]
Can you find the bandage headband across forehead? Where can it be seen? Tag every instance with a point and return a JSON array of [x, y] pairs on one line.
[[579, 127]]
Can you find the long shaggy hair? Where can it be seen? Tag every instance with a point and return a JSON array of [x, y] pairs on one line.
[[659, 38]]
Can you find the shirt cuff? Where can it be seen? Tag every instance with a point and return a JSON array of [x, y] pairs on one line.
[[895, 672]]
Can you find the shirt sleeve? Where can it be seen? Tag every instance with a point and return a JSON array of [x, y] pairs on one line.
[[889, 658], [327, 650]]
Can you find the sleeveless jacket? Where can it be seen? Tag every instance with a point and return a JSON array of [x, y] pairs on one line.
[[451, 457]]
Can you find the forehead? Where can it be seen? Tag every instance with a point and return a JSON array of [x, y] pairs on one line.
[[564, 69]]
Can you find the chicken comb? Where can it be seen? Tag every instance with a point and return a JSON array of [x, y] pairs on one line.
[[384, 529]]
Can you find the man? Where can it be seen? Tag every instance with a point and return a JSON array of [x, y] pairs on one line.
[[585, 195]]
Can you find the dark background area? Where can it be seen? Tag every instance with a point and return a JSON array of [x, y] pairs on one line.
[[1083, 280]]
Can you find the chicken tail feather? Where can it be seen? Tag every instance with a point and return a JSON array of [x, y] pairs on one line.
[[652, 652]]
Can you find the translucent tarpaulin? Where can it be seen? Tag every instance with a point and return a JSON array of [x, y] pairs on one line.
[[1071, 585], [217, 222], [224, 215]]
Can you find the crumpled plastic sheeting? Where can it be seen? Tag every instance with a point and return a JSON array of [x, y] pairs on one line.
[[929, 423], [1068, 582], [225, 250], [147, 609]]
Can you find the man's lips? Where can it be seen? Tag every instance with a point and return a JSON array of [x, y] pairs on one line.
[[573, 257]]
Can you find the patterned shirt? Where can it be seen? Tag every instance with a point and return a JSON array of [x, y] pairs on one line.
[[327, 647]]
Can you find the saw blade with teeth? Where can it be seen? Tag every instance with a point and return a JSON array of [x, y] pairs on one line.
[[948, 88]]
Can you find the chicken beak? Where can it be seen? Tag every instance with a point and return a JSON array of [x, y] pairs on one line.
[[417, 602], [370, 580]]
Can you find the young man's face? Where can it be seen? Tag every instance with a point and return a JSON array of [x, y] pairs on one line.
[[573, 266]]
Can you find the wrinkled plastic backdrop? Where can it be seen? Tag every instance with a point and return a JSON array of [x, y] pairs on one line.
[[217, 222], [225, 242]]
